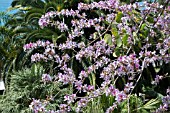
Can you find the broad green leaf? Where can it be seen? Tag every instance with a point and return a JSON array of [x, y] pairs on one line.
[[119, 42], [115, 32], [143, 26], [108, 39], [118, 17], [116, 52], [150, 19], [125, 39]]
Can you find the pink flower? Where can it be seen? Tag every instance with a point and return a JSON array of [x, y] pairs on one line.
[[120, 96], [46, 78]]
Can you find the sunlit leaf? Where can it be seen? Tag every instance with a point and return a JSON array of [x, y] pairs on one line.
[[118, 17], [119, 42], [143, 26], [125, 39], [108, 39], [115, 32]]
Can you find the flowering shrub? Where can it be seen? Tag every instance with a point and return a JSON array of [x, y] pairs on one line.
[[108, 49]]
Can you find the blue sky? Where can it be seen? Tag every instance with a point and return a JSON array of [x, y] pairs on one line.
[[4, 4]]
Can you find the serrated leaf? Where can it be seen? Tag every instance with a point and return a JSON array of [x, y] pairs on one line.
[[108, 39], [151, 104]]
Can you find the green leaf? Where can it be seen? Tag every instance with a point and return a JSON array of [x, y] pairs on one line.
[[95, 35], [139, 44], [136, 39], [150, 19], [93, 79], [119, 42], [151, 104], [144, 111], [116, 52], [123, 30], [108, 39], [118, 17], [160, 95], [33, 13], [115, 32], [143, 26], [34, 69], [146, 32], [118, 39], [125, 39]]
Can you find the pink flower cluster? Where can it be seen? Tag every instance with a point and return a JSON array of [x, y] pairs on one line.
[[38, 57], [124, 65], [67, 77], [98, 49], [119, 95], [38, 106], [32, 46], [45, 20], [109, 4], [70, 98], [157, 79], [166, 103], [99, 53], [46, 78], [48, 53]]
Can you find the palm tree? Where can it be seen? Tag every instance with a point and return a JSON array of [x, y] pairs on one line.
[[4, 16], [29, 13], [10, 46]]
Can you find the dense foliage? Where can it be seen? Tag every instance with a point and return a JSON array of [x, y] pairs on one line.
[[103, 56]]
